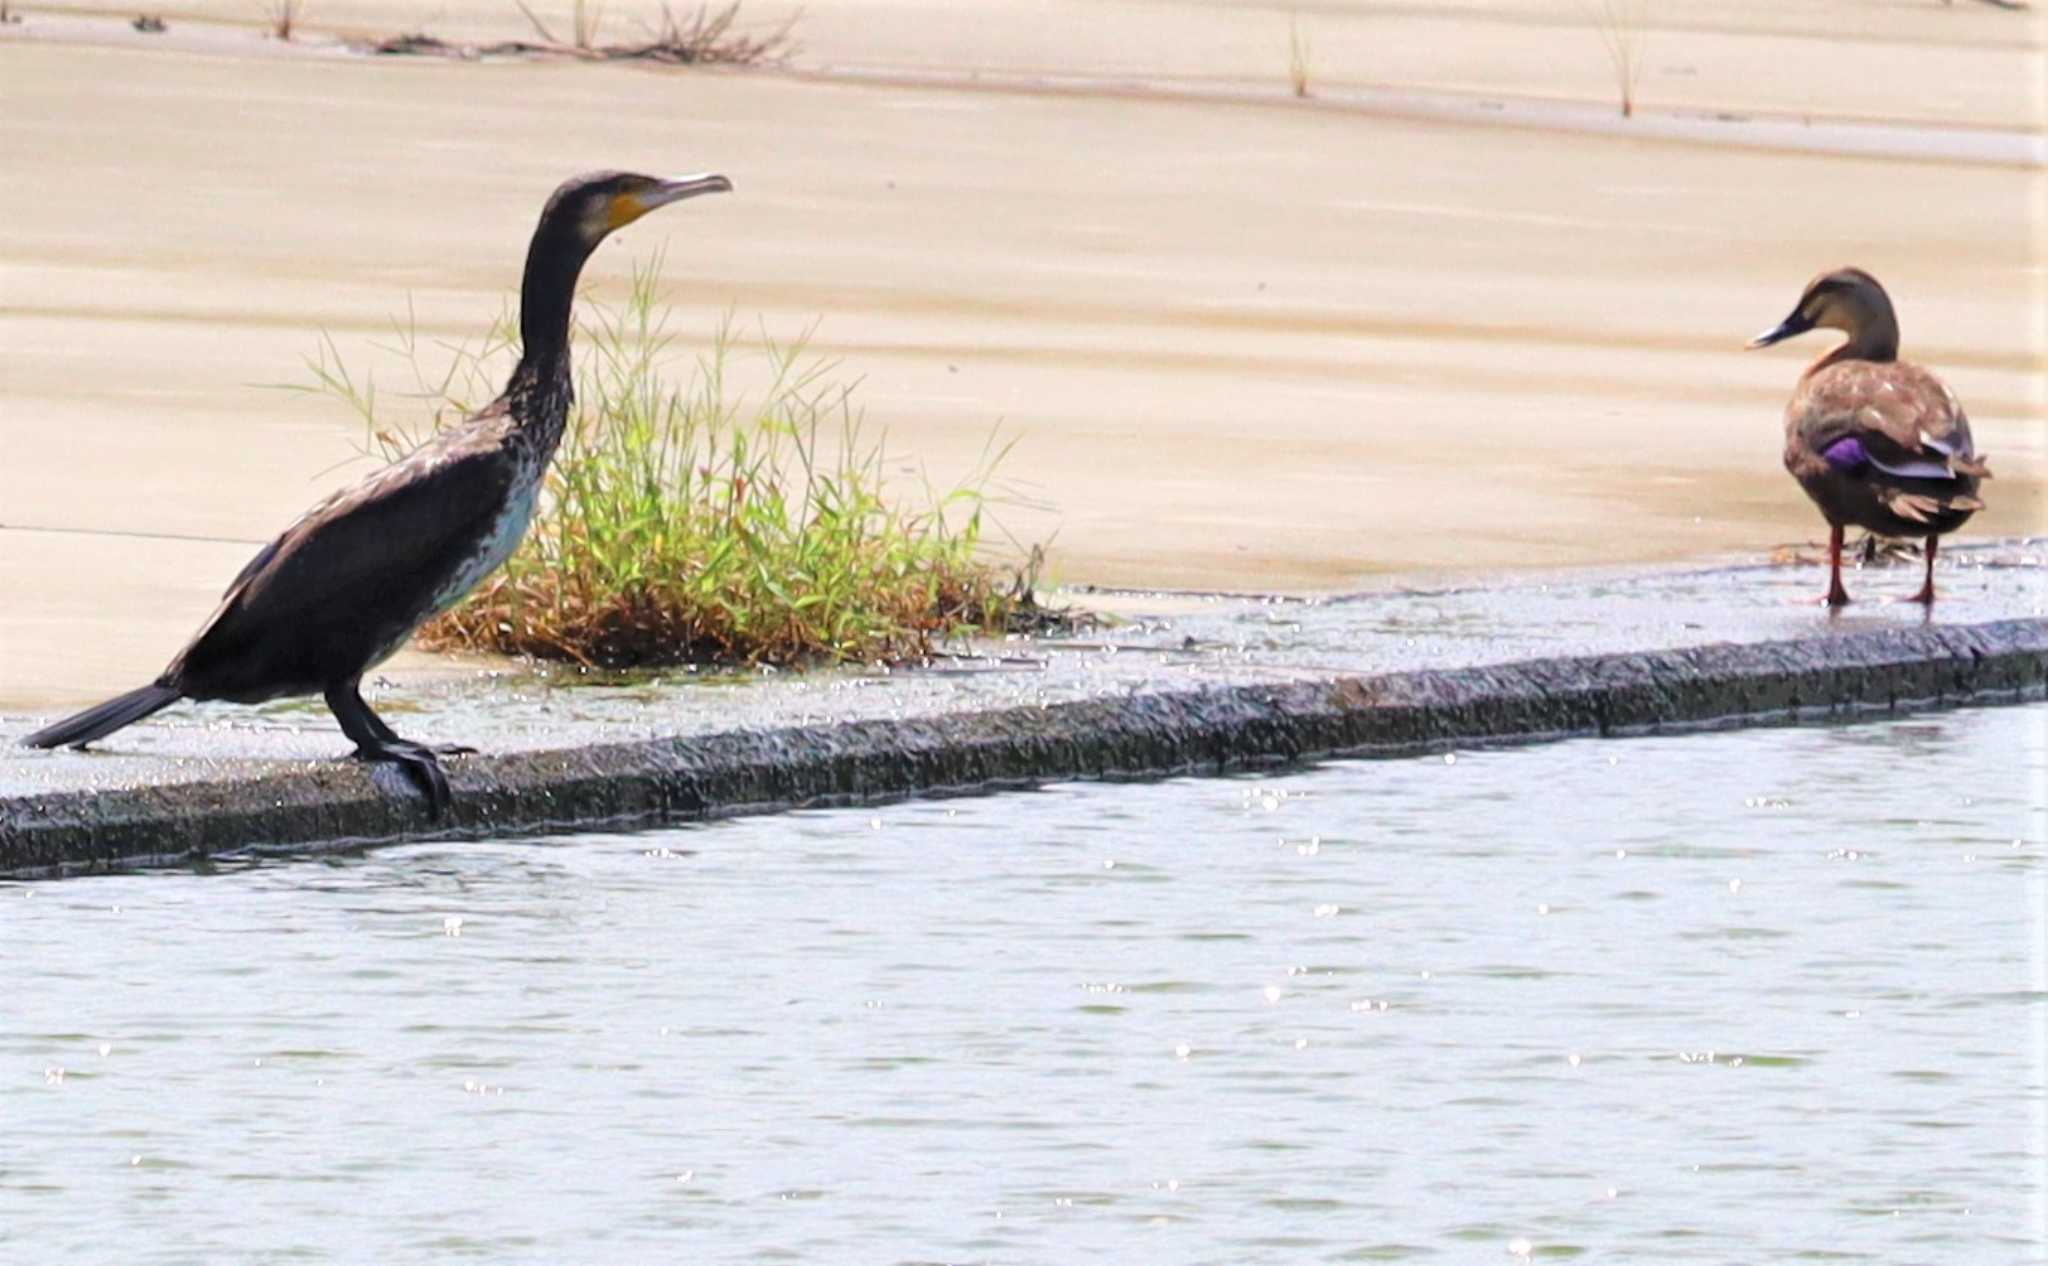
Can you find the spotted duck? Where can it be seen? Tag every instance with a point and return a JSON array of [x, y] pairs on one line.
[[1877, 442]]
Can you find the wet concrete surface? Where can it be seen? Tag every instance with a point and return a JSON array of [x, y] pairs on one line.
[[1164, 641], [1185, 681]]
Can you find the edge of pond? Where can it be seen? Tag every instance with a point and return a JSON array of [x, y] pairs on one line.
[[1154, 734]]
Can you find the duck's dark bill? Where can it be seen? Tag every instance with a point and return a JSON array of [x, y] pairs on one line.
[[1791, 325]]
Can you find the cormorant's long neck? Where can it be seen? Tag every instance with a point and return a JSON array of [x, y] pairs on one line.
[[553, 263]]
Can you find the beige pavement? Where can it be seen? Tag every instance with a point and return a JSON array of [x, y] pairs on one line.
[[1242, 345]]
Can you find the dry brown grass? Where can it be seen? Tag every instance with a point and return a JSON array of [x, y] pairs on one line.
[[1298, 57], [1620, 24], [710, 36], [584, 19], [284, 18]]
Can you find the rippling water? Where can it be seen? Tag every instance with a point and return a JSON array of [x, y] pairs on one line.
[[1750, 997]]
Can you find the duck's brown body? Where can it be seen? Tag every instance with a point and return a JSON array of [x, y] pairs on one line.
[[1877, 443], [1920, 473]]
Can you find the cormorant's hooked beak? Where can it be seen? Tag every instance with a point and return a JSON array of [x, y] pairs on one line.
[[628, 207], [1797, 323], [688, 187]]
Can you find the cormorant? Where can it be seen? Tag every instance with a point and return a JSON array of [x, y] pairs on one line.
[[1875, 441], [346, 585]]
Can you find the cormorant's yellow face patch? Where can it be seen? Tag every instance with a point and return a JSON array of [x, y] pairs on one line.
[[625, 209]]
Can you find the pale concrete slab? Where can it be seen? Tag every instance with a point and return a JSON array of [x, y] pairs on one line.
[[1241, 345]]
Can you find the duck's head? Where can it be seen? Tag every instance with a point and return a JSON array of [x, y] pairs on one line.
[[589, 207], [1847, 299]]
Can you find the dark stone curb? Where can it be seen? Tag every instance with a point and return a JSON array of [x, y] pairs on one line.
[[1148, 735]]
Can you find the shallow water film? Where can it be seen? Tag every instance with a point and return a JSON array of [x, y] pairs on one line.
[[1757, 996]]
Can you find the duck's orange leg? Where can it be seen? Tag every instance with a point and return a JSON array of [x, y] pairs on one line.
[[1926, 595], [1837, 596]]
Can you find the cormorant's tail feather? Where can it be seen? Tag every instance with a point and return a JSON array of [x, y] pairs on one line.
[[103, 720]]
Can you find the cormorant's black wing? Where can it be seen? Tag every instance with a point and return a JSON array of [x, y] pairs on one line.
[[356, 570], [254, 565]]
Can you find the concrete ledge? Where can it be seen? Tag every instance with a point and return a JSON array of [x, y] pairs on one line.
[[339, 805]]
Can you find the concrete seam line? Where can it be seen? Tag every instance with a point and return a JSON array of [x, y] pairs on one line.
[[1213, 729]]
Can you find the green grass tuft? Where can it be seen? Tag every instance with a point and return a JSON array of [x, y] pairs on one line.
[[684, 524]]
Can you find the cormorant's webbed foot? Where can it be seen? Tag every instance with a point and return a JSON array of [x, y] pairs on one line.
[[374, 740], [419, 764]]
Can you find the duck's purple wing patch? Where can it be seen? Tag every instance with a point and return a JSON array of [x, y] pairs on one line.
[[1846, 454], [1849, 455]]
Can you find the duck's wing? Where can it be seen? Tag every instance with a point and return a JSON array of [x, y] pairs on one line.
[[1896, 426], [1896, 418]]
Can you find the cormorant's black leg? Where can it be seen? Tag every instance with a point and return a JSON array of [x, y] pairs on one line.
[[375, 740], [390, 735]]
